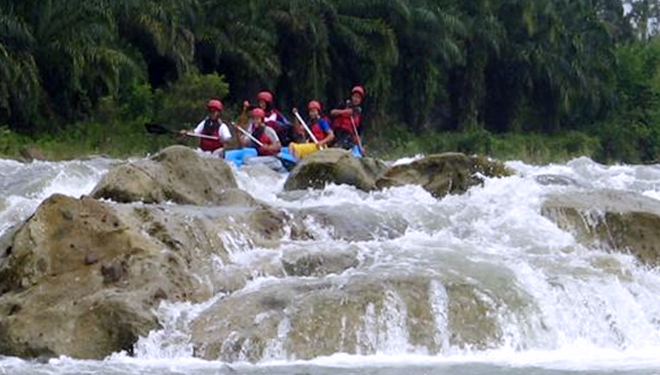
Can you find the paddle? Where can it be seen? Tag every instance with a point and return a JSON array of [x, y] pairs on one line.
[[287, 160], [309, 132], [247, 134], [357, 136], [160, 129]]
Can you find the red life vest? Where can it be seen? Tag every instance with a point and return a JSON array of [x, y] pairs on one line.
[[344, 123], [317, 131], [211, 128], [260, 134]]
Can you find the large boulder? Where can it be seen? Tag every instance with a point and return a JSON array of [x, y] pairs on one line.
[[82, 277], [336, 166], [360, 315], [442, 174], [176, 174], [613, 220]]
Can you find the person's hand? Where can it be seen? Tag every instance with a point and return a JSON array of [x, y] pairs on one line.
[[246, 104], [356, 111]]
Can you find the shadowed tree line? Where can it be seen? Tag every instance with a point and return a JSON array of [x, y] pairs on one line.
[[494, 66]]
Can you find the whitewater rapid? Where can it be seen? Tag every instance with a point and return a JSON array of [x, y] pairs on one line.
[[562, 308]]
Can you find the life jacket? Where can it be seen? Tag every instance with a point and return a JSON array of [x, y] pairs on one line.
[[282, 126], [212, 128], [344, 124], [260, 134], [317, 130]]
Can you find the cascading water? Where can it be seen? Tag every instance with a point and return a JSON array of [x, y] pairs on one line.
[[394, 281]]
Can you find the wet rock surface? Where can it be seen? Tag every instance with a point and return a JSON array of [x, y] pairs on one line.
[[335, 166], [442, 174], [176, 174], [610, 219], [82, 278]]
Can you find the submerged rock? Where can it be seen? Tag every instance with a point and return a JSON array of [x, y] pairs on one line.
[[442, 174], [336, 166], [364, 315], [610, 219], [555, 179], [176, 174]]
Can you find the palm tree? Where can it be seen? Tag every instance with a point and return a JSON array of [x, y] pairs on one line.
[[237, 40], [65, 49], [20, 89], [430, 46], [162, 32]]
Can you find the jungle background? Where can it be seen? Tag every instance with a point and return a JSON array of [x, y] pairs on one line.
[[541, 81]]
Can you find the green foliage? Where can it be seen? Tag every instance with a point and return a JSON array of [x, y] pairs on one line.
[[184, 102], [11, 143], [534, 148], [484, 68]]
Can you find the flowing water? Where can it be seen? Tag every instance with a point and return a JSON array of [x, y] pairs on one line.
[[550, 305]]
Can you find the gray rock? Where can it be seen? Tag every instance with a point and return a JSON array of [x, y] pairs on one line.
[[336, 166], [83, 277], [448, 173], [176, 174], [609, 219]]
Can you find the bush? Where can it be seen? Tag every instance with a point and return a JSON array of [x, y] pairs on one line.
[[182, 105], [11, 143]]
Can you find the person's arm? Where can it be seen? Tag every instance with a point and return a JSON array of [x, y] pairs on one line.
[[243, 118], [275, 145], [329, 134], [244, 140], [337, 112], [197, 130], [224, 132]]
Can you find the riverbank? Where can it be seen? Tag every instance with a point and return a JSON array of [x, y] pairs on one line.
[[122, 139]]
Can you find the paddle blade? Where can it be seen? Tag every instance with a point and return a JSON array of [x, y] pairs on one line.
[[157, 129]]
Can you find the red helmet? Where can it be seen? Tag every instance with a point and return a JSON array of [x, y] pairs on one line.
[[358, 89], [258, 112], [266, 96], [314, 104], [215, 104]]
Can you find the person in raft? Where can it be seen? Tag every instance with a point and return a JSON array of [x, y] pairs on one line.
[[265, 140], [346, 120], [318, 125], [214, 130], [274, 118]]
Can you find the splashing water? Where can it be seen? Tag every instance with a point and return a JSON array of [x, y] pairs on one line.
[[545, 303]]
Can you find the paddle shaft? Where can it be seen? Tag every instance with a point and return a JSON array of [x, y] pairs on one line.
[[357, 135], [247, 134], [191, 134], [309, 132], [160, 129]]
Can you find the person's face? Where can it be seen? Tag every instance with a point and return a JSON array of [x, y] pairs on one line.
[[314, 113], [214, 114], [258, 121], [262, 104], [356, 99]]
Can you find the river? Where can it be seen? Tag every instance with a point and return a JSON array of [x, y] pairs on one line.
[[556, 306]]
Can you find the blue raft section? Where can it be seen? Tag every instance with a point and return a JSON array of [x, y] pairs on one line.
[[237, 156]]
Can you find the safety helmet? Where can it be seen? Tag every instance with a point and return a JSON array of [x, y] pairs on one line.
[[358, 89], [265, 96], [314, 104], [215, 104], [258, 112]]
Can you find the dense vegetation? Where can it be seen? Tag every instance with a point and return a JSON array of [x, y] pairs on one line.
[[512, 78]]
